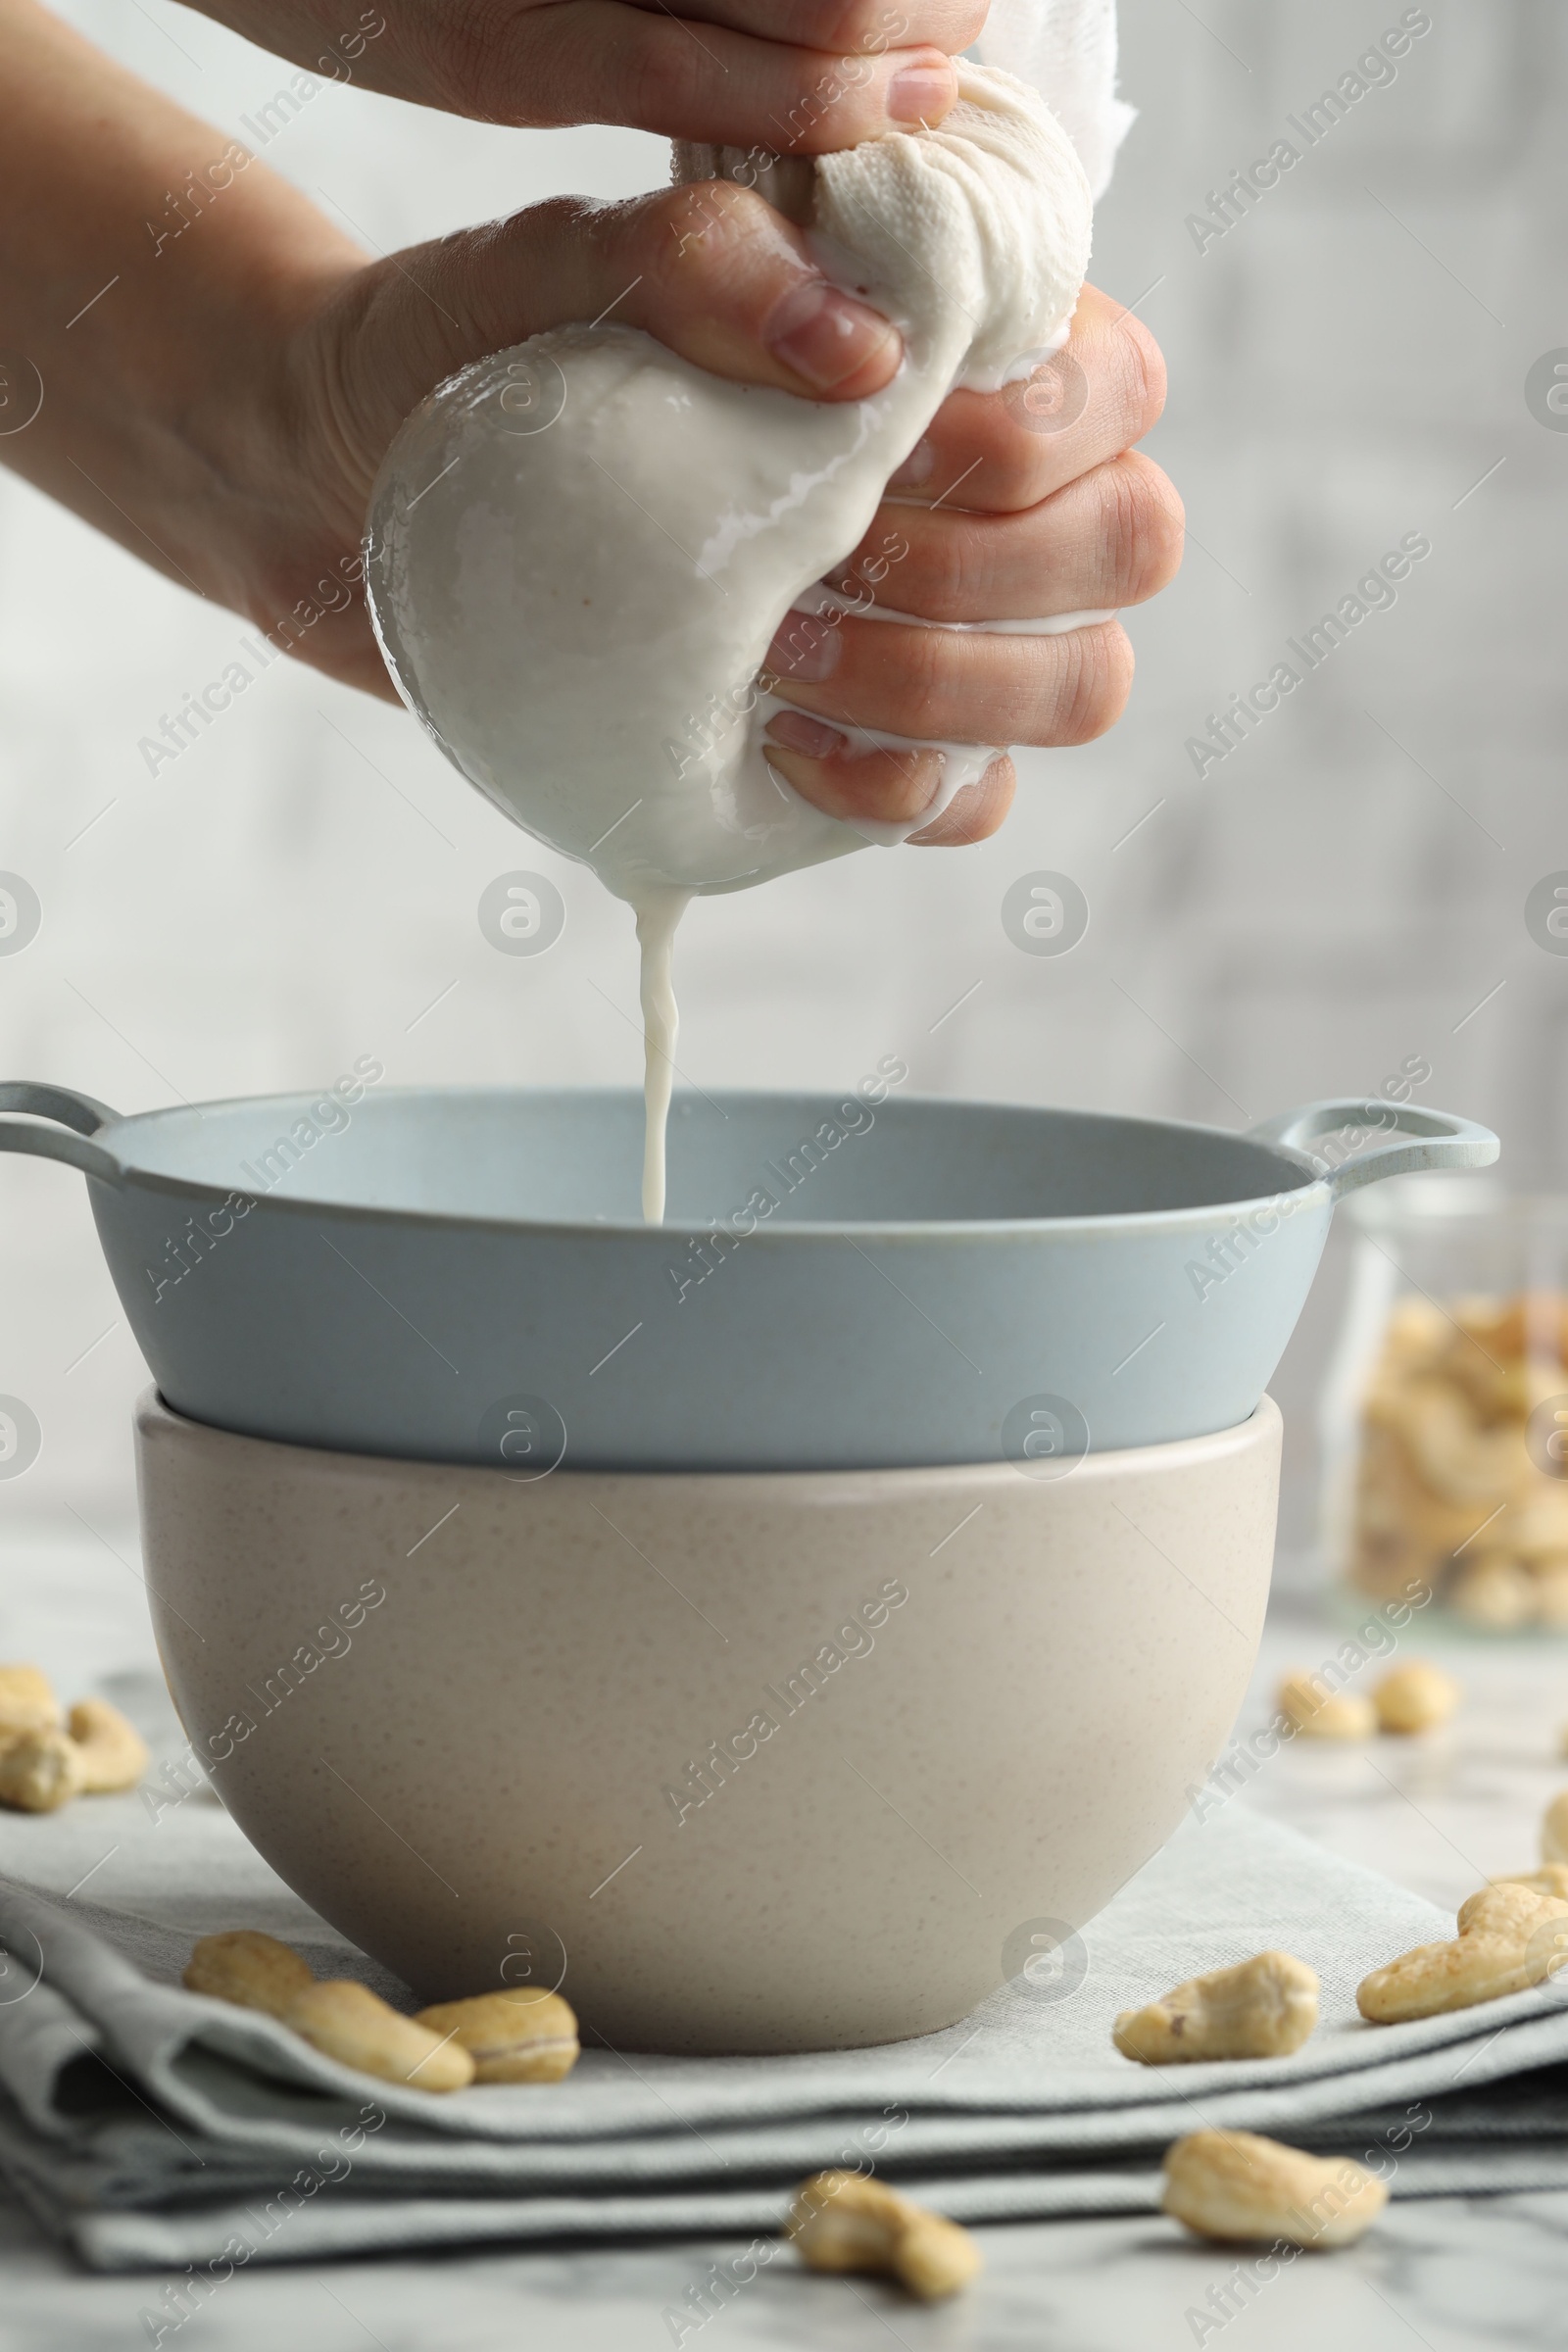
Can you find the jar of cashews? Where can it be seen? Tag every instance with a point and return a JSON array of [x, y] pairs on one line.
[[1445, 1413]]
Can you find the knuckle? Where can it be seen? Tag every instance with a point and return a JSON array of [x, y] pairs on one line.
[[1144, 523], [952, 568], [1023, 466], [1097, 682], [873, 27], [660, 75], [980, 809], [910, 784], [700, 227], [889, 785], [1144, 376], [473, 58], [925, 689], [850, 24], [962, 23]]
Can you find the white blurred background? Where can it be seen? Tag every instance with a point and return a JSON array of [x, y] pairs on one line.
[[1347, 366]]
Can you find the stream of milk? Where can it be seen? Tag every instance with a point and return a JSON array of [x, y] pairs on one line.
[[579, 549], [659, 912]]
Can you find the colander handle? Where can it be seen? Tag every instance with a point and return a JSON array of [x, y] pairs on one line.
[[79, 1116], [1398, 1141]]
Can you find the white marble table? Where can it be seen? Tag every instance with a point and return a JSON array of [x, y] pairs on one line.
[[1452, 2275]]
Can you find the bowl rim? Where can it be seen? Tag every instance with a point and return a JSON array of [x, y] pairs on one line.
[[850, 1232], [1264, 1427]]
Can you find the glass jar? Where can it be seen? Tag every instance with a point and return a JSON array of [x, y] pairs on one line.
[[1446, 1411]]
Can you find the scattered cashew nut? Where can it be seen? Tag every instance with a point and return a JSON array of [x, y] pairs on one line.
[[39, 1771], [1320, 1714], [1494, 1592], [847, 2222], [113, 1753], [350, 2022], [252, 1970], [1550, 1878], [1416, 1697], [42, 1764], [1264, 2008], [1236, 2185], [521, 2036], [27, 1702], [1509, 1938]]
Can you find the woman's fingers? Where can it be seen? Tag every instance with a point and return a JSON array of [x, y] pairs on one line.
[[1109, 539], [593, 60], [1024, 504], [889, 784], [869, 26], [801, 81], [998, 452], [1009, 512], [849, 780], [975, 813], [935, 685]]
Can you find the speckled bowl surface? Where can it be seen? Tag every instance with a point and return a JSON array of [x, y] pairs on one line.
[[744, 1762]]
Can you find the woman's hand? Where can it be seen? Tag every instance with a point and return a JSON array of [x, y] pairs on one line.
[[1020, 505], [219, 401], [796, 76]]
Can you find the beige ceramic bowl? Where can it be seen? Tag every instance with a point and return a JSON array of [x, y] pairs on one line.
[[775, 1762]]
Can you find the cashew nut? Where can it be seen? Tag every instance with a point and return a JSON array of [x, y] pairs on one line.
[[1443, 1460], [39, 1771], [27, 1702], [1417, 1330], [1494, 1592], [1236, 2184], [1264, 2008], [1416, 1697], [847, 2222], [1550, 1878], [1321, 1714], [113, 1753], [350, 2022], [521, 2036], [1455, 1458], [1509, 1937], [1554, 1831], [252, 1970]]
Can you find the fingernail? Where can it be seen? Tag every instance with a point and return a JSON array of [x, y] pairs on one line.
[[827, 336], [798, 732], [805, 648], [917, 468], [921, 93]]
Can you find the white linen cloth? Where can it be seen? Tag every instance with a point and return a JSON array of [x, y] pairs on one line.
[[1067, 50], [149, 2128]]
